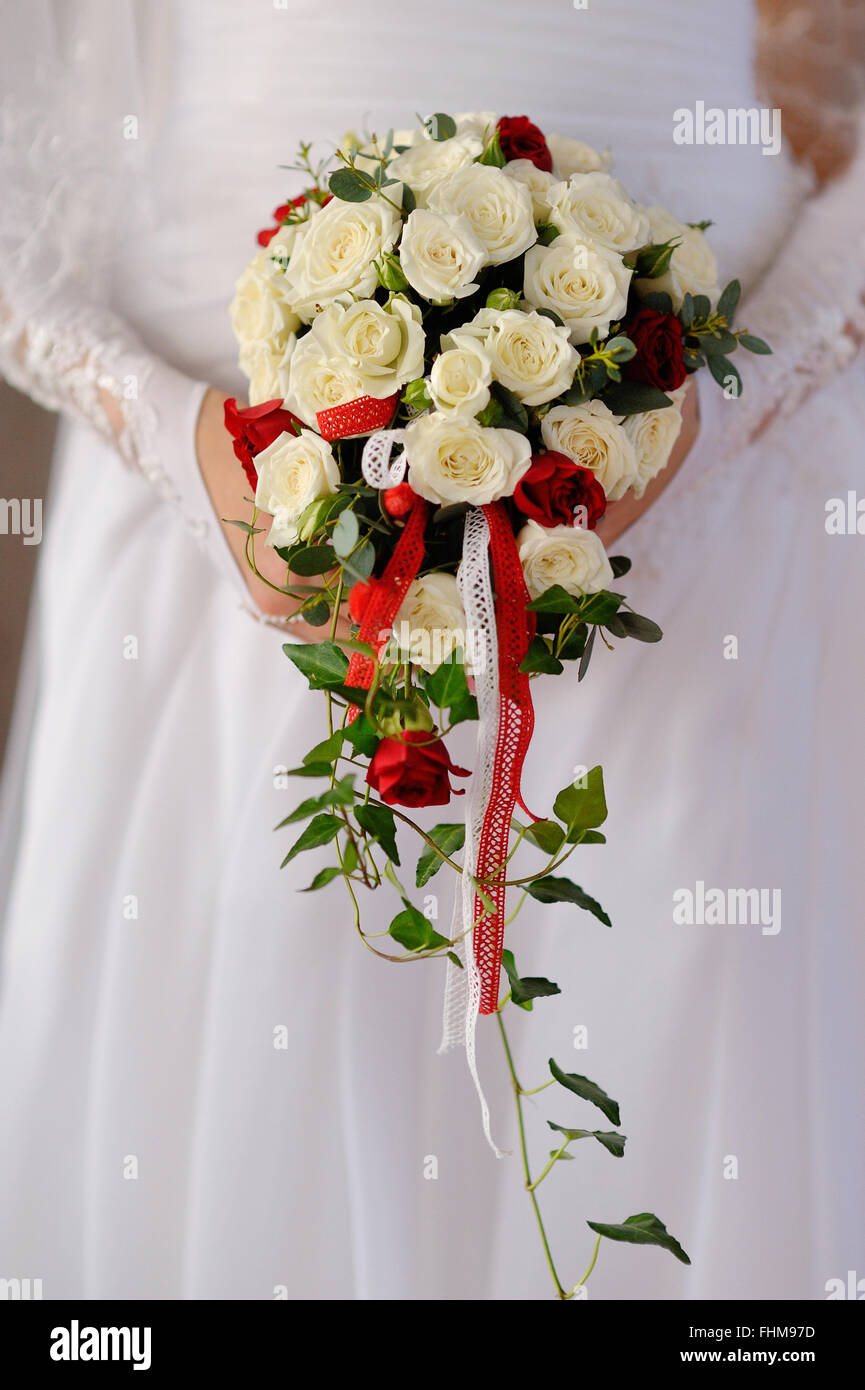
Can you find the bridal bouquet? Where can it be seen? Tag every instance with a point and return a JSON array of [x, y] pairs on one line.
[[462, 342]]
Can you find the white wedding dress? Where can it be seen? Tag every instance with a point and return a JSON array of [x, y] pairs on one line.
[[155, 1141]]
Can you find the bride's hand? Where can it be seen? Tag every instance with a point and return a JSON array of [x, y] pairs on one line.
[[227, 486], [620, 515]]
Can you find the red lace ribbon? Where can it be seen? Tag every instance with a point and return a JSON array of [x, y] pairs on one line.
[[360, 416], [387, 595], [515, 628]]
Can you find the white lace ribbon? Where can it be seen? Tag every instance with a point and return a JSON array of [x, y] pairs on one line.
[[375, 460], [462, 986]]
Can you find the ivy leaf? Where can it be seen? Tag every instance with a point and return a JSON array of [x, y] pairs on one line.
[[728, 301], [642, 1229], [378, 821], [601, 607], [349, 186], [323, 877], [753, 344], [587, 1090], [346, 534], [311, 770], [327, 751], [340, 795], [613, 1142], [450, 839], [323, 663], [362, 736], [587, 654], [414, 931], [320, 830], [546, 835], [582, 808], [553, 600], [523, 991], [636, 625], [540, 659], [561, 890], [634, 398], [446, 686], [314, 559]]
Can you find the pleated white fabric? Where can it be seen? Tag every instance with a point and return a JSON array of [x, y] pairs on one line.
[[207, 1087]]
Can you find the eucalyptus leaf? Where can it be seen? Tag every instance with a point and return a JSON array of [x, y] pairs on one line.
[[349, 186]]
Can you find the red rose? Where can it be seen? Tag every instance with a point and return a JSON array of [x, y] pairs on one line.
[[555, 487], [660, 358], [283, 211], [520, 139], [412, 771], [254, 427]]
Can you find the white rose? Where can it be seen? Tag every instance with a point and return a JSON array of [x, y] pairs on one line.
[[261, 312], [440, 255], [268, 372], [592, 436], [530, 355], [566, 555], [460, 378], [575, 157], [428, 163], [537, 181], [335, 250], [292, 472], [481, 124], [451, 458], [431, 622], [383, 344], [693, 268], [653, 435], [596, 208], [317, 382], [586, 286], [498, 208]]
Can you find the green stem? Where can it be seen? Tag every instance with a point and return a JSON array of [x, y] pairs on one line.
[[525, 1153], [592, 1264], [554, 1157]]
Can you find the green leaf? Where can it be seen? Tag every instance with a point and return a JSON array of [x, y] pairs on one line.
[[245, 526], [548, 314], [492, 153], [327, 751], [409, 201], [454, 959], [530, 987], [599, 608], [546, 835], [611, 1141], [323, 663], [582, 808], [414, 931], [686, 313], [340, 795], [362, 736], [349, 186], [450, 839], [657, 299], [361, 563], [637, 626], [315, 559], [319, 831], [346, 534], [316, 612], [503, 298], [702, 306], [561, 890], [416, 396], [587, 1090], [446, 686], [587, 654], [722, 369], [554, 600], [654, 260], [311, 770], [323, 877], [642, 1229], [516, 417], [378, 821], [619, 564], [752, 344], [620, 348], [728, 301], [718, 342], [635, 397], [540, 659], [440, 126], [547, 234]]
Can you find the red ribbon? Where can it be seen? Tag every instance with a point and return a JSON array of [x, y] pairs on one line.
[[515, 628], [387, 595], [360, 416]]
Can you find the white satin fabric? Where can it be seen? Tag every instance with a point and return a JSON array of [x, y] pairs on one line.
[[155, 1141]]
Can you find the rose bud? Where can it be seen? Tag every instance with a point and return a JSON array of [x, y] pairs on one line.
[[398, 501], [660, 358], [520, 138], [413, 771], [556, 491]]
